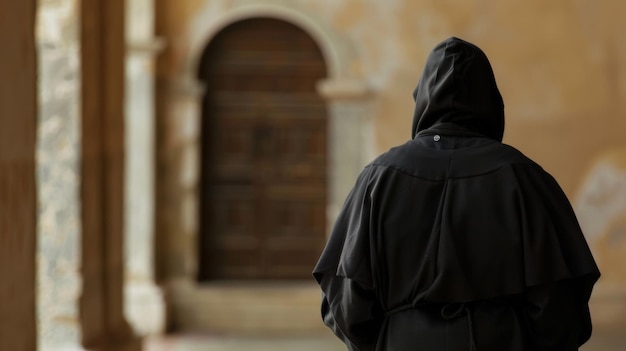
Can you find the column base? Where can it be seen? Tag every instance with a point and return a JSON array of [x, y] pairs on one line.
[[145, 308]]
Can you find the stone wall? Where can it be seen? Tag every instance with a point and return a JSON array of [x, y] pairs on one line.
[[18, 202], [601, 205], [557, 65]]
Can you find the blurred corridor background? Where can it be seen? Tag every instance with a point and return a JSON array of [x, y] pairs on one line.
[[169, 169]]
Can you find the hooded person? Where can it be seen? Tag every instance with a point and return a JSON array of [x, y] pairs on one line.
[[454, 240]]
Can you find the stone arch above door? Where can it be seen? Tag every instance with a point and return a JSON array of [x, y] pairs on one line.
[[209, 24]]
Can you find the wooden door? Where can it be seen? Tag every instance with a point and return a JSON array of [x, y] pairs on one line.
[[263, 203]]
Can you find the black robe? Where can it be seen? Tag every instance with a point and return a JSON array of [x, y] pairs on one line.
[[455, 241]]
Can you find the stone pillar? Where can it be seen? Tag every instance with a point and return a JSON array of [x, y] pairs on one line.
[[58, 253], [18, 202], [178, 149], [351, 139], [179, 162], [103, 53], [144, 305]]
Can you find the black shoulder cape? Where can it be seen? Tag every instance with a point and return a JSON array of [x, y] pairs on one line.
[[456, 225]]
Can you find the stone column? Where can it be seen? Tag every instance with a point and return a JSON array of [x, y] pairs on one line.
[[350, 141], [59, 244], [179, 185], [144, 306], [178, 199], [18, 202], [103, 53]]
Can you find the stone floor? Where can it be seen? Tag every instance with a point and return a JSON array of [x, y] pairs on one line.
[[208, 343], [599, 342]]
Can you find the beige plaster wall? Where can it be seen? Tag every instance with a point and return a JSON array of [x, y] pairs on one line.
[[601, 206], [557, 64]]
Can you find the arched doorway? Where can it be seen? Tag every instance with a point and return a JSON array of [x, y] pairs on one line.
[[264, 158]]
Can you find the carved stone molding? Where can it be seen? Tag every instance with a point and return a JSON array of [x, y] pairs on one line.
[[343, 89]]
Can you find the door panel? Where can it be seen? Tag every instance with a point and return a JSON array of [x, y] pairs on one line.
[[263, 197]]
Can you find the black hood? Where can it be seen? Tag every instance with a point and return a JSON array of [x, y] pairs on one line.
[[457, 93]]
